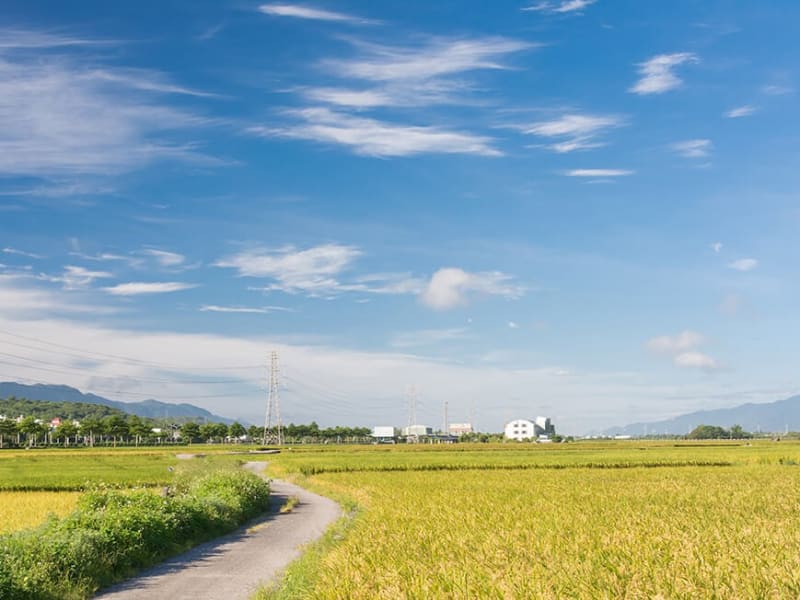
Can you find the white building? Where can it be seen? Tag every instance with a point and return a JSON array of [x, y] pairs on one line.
[[459, 428], [526, 429], [384, 432], [417, 431]]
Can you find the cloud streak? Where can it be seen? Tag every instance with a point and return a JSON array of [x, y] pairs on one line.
[[451, 287], [299, 11], [574, 131], [657, 75], [371, 137], [137, 288]]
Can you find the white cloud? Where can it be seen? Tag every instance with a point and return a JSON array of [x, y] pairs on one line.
[[693, 148], [164, 258], [513, 325], [682, 348], [451, 287], [142, 288], [59, 118], [777, 90], [716, 247], [744, 264], [740, 111], [19, 299], [370, 137], [684, 341], [577, 131], [75, 277], [431, 72], [598, 172], [565, 6], [22, 253], [657, 74], [695, 360], [438, 58], [244, 309], [317, 14], [313, 270]]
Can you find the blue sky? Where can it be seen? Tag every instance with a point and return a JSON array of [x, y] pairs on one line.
[[585, 209]]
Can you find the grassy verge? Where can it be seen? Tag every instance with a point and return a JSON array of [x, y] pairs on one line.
[[302, 575], [114, 533]]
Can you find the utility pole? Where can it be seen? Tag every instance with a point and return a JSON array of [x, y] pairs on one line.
[[444, 430], [273, 413]]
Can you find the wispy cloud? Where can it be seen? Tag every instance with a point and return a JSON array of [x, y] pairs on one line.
[[716, 247], [741, 111], [313, 270], [438, 58], [299, 11], [693, 148], [743, 264], [598, 172], [22, 253], [682, 349], [452, 287], [565, 6], [76, 277], [371, 137], [263, 310], [574, 131], [668, 344], [658, 73], [164, 258], [58, 118], [432, 72], [144, 288]]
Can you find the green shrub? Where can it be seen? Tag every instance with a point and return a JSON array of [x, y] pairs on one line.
[[114, 533]]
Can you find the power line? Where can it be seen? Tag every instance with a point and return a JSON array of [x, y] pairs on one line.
[[127, 358], [137, 377], [146, 395]]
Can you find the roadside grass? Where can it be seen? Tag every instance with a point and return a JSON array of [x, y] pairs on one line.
[[113, 533]]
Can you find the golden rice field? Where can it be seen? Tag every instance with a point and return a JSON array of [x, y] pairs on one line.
[[22, 510], [727, 532]]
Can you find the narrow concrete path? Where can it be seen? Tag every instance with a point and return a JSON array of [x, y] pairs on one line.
[[235, 566]]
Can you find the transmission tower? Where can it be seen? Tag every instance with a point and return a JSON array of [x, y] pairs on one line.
[[412, 405], [273, 429]]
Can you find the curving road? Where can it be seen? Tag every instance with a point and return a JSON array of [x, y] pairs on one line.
[[236, 565]]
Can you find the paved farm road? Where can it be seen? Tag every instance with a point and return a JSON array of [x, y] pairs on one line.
[[234, 566]]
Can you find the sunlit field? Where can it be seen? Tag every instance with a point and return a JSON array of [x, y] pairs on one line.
[[567, 521], [23, 510]]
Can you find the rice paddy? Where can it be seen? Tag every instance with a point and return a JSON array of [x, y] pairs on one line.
[[24, 510], [594, 521]]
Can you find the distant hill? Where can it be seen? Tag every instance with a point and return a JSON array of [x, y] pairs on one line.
[[147, 408], [766, 417], [44, 409]]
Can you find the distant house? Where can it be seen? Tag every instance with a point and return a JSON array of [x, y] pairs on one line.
[[527, 429], [55, 422], [457, 429]]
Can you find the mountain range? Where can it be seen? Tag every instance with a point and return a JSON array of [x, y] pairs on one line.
[[147, 408], [765, 417]]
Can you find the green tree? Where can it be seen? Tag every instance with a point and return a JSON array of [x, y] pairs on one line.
[[138, 428], [8, 429], [31, 429], [707, 432], [237, 430], [190, 432], [116, 427], [66, 430], [91, 426]]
